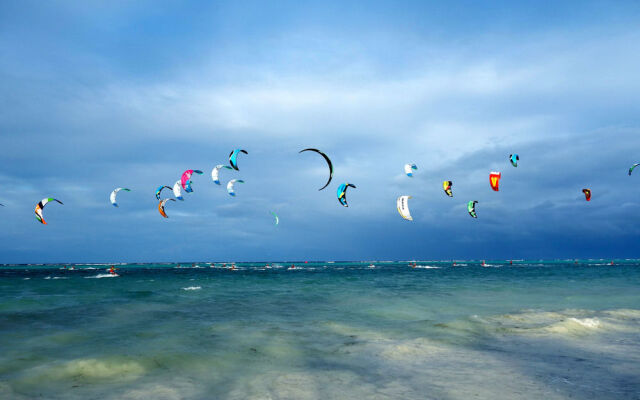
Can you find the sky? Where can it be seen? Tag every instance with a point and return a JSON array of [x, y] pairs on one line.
[[98, 95]]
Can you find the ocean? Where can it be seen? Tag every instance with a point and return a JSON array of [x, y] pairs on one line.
[[324, 330]]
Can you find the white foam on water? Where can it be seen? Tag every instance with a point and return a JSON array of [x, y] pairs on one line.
[[427, 267], [587, 322], [102, 276], [192, 288], [567, 323]]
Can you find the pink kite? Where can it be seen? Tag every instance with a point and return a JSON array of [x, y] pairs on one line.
[[186, 175]]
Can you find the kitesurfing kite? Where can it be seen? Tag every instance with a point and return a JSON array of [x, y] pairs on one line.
[[326, 158], [446, 185], [409, 168], [233, 158], [40, 207], [230, 185], [514, 158], [159, 190], [471, 207], [632, 168], [276, 217], [185, 179], [342, 193], [403, 207], [188, 187], [112, 197], [494, 180], [161, 207], [177, 191], [215, 173], [587, 194]]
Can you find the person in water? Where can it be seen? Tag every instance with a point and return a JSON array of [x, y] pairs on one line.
[[112, 270]]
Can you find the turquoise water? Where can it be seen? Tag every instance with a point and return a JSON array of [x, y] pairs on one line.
[[374, 330]]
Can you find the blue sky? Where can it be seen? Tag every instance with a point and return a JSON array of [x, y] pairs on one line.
[[97, 95]]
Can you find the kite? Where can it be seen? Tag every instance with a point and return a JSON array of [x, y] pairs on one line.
[[159, 189], [40, 207], [231, 184], [326, 158], [161, 207], [233, 158], [446, 185], [403, 207], [632, 168], [514, 158], [409, 168], [276, 217], [494, 180], [587, 194], [342, 193], [471, 207], [215, 173], [177, 191], [114, 193], [185, 179]]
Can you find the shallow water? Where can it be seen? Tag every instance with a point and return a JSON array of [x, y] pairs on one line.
[[375, 330]]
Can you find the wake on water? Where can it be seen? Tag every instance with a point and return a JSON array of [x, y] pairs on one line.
[[102, 276]]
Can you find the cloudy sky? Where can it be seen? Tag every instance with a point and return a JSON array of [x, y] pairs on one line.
[[97, 95]]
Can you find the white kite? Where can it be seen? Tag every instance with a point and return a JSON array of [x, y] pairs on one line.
[[215, 173], [403, 207], [231, 184], [177, 190], [114, 194], [409, 168]]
